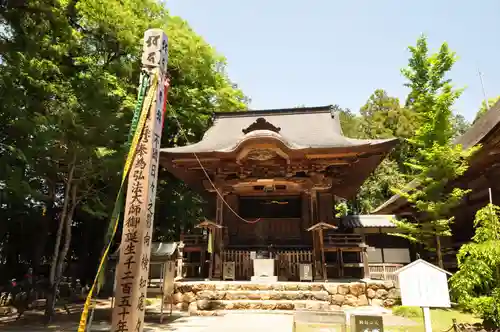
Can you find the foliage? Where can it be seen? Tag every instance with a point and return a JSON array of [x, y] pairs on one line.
[[342, 209], [68, 82], [408, 312], [378, 188], [437, 160], [349, 122], [476, 285], [460, 125], [383, 117], [483, 109]]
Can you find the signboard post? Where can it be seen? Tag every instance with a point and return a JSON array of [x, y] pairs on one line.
[[365, 323], [424, 285], [132, 271]]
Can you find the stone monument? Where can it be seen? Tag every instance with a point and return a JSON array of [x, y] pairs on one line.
[[263, 268]]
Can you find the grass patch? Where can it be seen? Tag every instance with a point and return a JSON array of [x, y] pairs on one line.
[[442, 319]]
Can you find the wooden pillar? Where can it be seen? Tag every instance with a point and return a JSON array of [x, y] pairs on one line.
[[364, 257], [316, 240], [218, 246], [135, 250], [322, 248]]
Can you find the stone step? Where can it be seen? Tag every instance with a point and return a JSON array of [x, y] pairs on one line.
[[251, 286], [264, 295], [353, 294], [210, 305]]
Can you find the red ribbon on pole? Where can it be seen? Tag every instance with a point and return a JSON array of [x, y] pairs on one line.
[[166, 86]]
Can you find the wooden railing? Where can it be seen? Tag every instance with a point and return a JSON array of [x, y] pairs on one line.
[[342, 240], [243, 263], [193, 239], [287, 262], [384, 271]]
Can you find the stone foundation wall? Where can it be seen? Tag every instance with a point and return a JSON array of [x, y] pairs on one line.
[[212, 296]]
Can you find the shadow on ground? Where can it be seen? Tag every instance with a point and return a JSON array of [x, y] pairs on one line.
[[33, 320]]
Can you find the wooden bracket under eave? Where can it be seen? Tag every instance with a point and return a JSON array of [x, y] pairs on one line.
[[321, 226], [207, 224]]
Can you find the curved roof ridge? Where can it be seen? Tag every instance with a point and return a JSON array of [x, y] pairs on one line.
[[275, 111]]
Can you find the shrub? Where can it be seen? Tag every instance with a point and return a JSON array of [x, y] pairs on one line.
[[408, 312]]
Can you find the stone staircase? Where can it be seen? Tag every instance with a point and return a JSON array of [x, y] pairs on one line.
[[209, 298]]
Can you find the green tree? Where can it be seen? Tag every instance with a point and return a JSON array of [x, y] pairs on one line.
[[460, 125], [378, 188], [383, 117], [68, 81], [484, 107], [437, 161], [476, 285], [350, 122]]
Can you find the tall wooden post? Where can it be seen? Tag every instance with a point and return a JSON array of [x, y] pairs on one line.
[[217, 253], [133, 267]]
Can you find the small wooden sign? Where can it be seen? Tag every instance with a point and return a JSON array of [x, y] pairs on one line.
[[168, 278], [365, 323], [228, 271], [306, 273]]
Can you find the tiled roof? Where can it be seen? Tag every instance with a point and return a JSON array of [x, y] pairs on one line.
[[158, 250], [368, 221], [298, 128]]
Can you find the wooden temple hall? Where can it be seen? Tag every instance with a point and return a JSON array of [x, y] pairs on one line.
[[271, 179]]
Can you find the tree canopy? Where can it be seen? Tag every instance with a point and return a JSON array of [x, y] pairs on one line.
[[69, 72]]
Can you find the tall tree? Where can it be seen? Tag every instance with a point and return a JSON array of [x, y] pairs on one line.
[[68, 77], [437, 161], [381, 117], [460, 125]]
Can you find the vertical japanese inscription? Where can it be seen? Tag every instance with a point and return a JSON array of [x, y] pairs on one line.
[[135, 249]]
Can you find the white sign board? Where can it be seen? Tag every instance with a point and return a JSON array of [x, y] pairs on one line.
[[424, 285], [397, 255]]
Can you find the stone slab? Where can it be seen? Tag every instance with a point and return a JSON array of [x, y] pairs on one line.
[[263, 267], [264, 279]]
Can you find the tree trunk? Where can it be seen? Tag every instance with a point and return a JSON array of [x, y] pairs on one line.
[[41, 241], [53, 282], [439, 254], [67, 235]]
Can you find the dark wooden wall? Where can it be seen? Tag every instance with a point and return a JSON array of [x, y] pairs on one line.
[[277, 231], [325, 203]]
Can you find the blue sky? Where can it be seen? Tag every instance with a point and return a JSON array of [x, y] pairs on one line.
[[318, 52]]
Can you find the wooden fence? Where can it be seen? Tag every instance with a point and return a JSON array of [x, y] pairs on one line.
[[342, 240], [243, 263], [384, 271], [287, 263]]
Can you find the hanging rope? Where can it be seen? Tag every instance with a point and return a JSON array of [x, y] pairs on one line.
[[115, 217], [181, 129]]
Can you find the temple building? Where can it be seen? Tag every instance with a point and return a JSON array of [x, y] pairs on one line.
[[271, 179], [481, 177]]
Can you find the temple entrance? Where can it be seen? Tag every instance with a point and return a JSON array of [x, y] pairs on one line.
[[267, 223]]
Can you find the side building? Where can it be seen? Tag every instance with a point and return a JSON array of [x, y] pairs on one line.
[[481, 177], [271, 179]]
